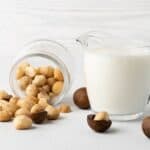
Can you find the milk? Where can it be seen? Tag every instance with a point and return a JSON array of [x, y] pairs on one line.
[[117, 81]]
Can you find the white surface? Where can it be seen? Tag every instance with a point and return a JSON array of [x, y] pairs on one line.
[[25, 20]]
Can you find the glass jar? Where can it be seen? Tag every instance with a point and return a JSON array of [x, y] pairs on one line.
[[44, 52], [117, 74]]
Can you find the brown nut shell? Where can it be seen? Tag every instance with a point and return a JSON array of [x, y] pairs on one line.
[[146, 126], [98, 126], [39, 117], [80, 98]]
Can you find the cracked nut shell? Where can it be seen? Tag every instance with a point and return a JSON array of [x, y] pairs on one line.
[[98, 125], [146, 126], [39, 117], [80, 98]]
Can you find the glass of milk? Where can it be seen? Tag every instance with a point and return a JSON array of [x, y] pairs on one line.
[[117, 74]]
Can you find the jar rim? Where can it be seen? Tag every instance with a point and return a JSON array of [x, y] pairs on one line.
[[45, 40]]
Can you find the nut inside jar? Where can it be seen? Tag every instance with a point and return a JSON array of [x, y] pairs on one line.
[[44, 81]]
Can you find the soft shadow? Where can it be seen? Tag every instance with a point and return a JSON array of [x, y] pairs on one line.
[[25, 130], [113, 130], [47, 121], [129, 121], [33, 127], [61, 118], [52, 121]]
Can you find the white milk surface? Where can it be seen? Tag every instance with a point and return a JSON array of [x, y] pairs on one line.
[[117, 82]]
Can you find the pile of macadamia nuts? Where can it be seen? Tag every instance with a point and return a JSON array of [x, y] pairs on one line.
[[24, 111], [41, 82]]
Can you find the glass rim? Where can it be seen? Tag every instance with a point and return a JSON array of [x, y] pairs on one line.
[[101, 36]]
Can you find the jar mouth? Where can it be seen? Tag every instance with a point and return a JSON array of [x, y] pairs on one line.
[[49, 57]]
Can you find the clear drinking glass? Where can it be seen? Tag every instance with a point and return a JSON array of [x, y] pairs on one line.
[[117, 73]]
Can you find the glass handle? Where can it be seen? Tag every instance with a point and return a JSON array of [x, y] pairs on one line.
[[98, 36], [83, 40]]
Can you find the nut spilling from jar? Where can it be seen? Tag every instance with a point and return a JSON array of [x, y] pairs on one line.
[[24, 111], [41, 82]]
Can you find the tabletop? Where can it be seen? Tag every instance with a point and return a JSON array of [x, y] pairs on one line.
[[63, 21]]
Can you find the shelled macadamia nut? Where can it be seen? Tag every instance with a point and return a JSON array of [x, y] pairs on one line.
[[64, 108], [24, 82], [4, 95], [11, 108], [57, 87], [31, 90], [52, 113], [20, 71], [23, 65], [30, 102], [22, 122], [101, 116], [45, 88], [3, 102], [32, 99], [51, 81], [39, 80], [22, 111], [58, 74], [5, 116], [30, 71], [37, 71], [43, 102], [1, 108], [25, 104], [46, 71], [14, 100], [37, 108], [43, 95]]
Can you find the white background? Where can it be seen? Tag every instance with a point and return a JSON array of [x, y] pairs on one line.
[[25, 20]]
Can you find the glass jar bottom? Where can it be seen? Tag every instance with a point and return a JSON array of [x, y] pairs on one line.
[[125, 117]]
